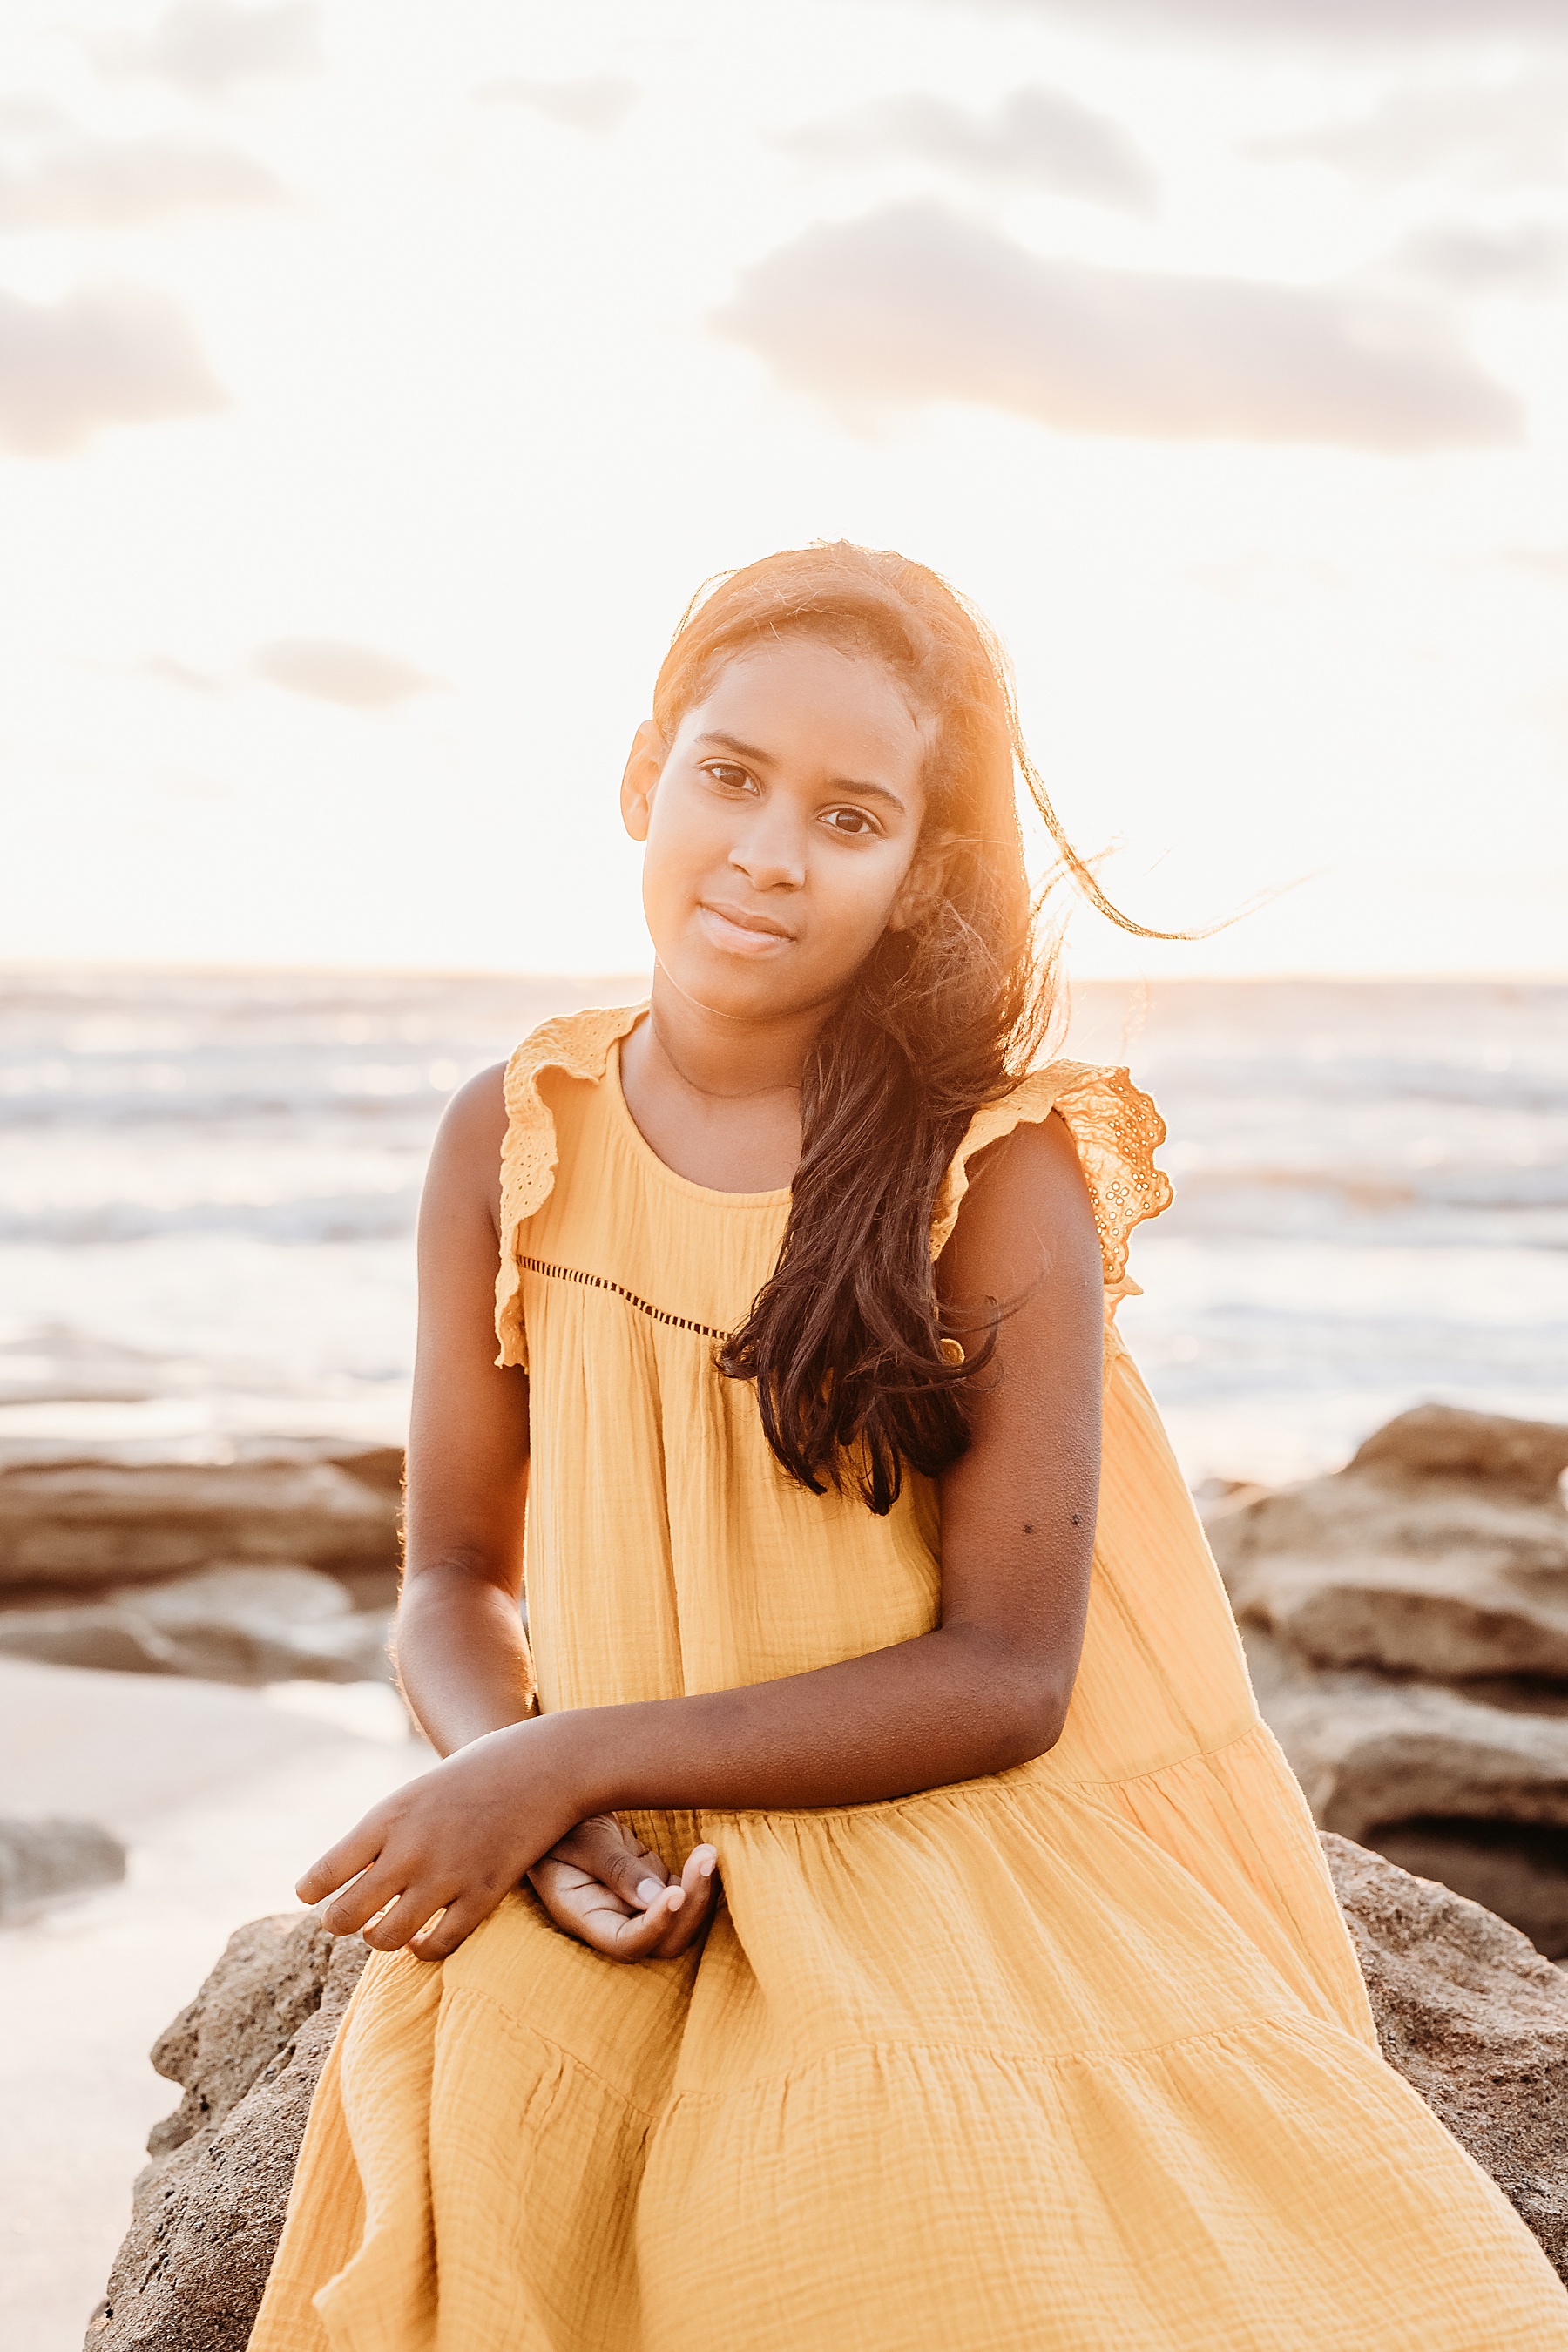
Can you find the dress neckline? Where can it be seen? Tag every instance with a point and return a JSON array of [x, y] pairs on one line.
[[660, 1168]]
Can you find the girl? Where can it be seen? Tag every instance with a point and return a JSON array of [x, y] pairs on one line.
[[872, 1917]]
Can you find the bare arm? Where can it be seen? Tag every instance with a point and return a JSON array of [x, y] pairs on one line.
[[461, 1654], [987, 1689]]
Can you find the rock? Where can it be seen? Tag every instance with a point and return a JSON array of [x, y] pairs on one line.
[[1473, 2018], [1473, 1794], [1524, 1459], [1407, 1623], [209, 2208], [103, 1523], [42, 1860], [1476, 2020], [1440, 1551], [237, 1625]]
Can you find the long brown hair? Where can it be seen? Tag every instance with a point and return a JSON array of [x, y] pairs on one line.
[[845, 1339]]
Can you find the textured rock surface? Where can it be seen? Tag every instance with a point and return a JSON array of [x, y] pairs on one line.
[[1440, 1551], [42, 1859], [1525, 1459], [1466, 2010], [1474, 2020], [104, 1522], [209, 2206], [1407, 1623], [240, 1625], [1369, 1750]]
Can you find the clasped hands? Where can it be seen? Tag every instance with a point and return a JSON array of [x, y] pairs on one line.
[[429, 1863]]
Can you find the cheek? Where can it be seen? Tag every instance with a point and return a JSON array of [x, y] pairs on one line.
[[685, 828], [856, 899], [667, 849], [681, 850]]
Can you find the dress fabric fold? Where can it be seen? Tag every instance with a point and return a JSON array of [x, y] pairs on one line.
[[1070, 2058]]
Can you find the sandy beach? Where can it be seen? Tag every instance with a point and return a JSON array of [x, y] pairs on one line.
[[221, 1795]]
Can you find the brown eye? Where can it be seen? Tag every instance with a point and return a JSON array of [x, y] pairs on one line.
[[853, 823], [733, 779]]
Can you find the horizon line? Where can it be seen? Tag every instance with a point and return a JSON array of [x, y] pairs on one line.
[[201, 967]]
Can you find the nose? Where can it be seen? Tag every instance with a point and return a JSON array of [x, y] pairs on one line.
[[770, 851]]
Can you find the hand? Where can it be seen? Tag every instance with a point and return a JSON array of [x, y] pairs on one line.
[[452, 1842], [602, 1886]]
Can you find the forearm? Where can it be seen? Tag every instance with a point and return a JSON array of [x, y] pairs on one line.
[[951, 1705], [462, 1656]]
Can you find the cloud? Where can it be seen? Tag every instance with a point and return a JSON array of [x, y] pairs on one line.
[[209, 48], [598, 103], [1422, 23], [912, 305], [1531, 257], [62, 179], [1041, 137], [104, 355], [1508, 133], [330, 669], [1542, 562], [170, 672]]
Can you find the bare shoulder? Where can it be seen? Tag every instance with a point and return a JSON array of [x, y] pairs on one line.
[[1027, 1206], [464, 1160]]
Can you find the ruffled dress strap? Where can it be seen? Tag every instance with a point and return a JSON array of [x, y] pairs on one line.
[[578, 1044], [1117, 1131]]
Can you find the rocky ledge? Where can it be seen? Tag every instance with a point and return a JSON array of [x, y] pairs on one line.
[[228, 1624], [1407, 1625], [263, 1569], [208, 2207], [1466, 2010], [1474, 2020], [69, 1525]]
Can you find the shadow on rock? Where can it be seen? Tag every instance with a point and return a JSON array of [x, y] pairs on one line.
[[1406, 1626]]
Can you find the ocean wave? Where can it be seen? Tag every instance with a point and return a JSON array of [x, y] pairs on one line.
[[234, 1098], [1356, 1209], [1371, 1178], [303, 1222]]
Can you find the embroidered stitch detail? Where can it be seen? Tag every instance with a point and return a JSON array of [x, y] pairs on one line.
[[603, 1282]]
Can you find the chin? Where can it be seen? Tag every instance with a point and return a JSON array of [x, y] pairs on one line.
[[720, 984], [737, 987]]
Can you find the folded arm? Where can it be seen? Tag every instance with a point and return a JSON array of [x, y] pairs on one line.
[[987, 1689]]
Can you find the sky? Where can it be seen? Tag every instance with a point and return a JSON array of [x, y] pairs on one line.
[[377, 383]]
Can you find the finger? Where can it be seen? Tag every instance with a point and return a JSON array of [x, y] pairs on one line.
[[398, 1926], [568, 1893], [343, 1861], [610, 1851], [700, 1884], [369, 1894], [629, 1935], [441, 1938], [639, 1878]]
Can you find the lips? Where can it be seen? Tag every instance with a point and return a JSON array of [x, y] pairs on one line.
[[723, 916]]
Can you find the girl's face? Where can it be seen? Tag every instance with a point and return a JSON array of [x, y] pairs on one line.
[[781, 825]]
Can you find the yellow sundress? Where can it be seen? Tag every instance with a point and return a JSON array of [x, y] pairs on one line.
[[1074, 2057]]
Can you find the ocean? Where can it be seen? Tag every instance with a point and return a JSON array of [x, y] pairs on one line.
[[208, 1183]]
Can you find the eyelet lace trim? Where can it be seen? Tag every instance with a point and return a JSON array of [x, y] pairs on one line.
[[578, 1044], [1116, 1131]]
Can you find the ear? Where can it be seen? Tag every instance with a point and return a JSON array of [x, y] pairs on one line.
[[645, 765], [924, 883]]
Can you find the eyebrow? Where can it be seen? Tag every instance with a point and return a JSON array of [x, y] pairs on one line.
[[864, 792]]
